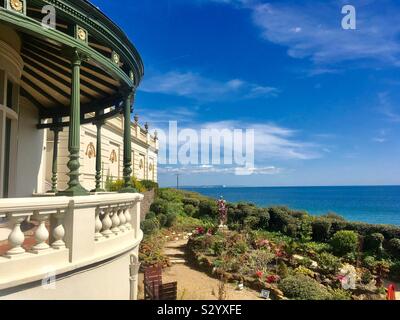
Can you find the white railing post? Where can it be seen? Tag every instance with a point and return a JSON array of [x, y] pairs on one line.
[[98, 225], [16, 238], [107, 223], [41, 234], [115, 221], [136, 218], [128, 217], [58, 231], [122, 220]]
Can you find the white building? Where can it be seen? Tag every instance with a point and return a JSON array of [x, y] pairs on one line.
[[82, 70]]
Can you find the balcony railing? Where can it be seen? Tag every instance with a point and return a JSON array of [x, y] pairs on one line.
[[70, 233]]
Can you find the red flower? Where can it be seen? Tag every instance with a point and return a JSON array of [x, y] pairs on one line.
[[200, 230], [273, 279], [278, 253], [259, 274]]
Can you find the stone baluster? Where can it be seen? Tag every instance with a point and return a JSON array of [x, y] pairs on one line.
[[41, 234], [122, 220], [59, 232], [98, 225], [128, 218], [115, 222], [107, 223], [16, 237]]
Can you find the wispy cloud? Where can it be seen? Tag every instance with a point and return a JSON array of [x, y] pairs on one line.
[[195, 86], [387, 108], [313, 30]]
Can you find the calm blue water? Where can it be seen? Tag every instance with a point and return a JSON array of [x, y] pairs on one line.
[[380, 205]]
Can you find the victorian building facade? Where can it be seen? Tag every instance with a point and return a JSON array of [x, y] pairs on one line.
[[66, 102]]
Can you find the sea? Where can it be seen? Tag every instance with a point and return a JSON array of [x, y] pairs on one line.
[[370, 204]]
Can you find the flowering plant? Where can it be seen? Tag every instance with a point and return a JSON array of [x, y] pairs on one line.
[[273, 279], [347, 277], [259, 274], [199, 231]]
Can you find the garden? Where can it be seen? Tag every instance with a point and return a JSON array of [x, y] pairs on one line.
[[289, 253]]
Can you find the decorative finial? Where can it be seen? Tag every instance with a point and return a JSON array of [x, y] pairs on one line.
[[136, 118], [155, 135], [146, 126]]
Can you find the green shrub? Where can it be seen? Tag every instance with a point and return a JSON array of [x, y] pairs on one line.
[[328, 263], [394, 247], [171, 219], [115, 186], [333, 216], [366, 277], [149, 185], [374, 242], [370, 262], [395, 271], [344, 242], [283, 270], [191, 201], [138, 185], [159, 206], [301, 287], [171, 195], [150, 215], [190, 210], [339, 294], [208, 208], [321, 228], [279, 219], [163, 220], [252, 222], [150, 226]]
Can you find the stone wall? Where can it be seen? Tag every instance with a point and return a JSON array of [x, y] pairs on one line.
[[146, 203]]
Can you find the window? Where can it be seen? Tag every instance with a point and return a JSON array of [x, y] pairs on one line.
[[6, 176], [10, 90]]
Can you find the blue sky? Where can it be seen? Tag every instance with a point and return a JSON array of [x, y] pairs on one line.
[[324, 101]]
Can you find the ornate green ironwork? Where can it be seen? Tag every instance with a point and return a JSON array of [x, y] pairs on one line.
[[128, 146], [99, 167], [54, 178], [74, 186]]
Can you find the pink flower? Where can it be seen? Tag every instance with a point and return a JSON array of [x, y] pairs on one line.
[[259, 274]]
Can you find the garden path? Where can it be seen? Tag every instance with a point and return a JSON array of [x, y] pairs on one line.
[[193, 284]]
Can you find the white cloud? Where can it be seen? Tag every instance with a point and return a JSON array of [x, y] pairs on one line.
[[313, 30], [194, 85], [386, 107]]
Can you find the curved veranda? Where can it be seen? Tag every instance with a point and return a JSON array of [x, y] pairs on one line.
[[80, 70]]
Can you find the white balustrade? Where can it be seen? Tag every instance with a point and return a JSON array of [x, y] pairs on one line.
[[128, 218], [67, 231], [122, 220], [59, 231], [16, 238], [98, 225], [115, 222], [41, 234], [107, 224]]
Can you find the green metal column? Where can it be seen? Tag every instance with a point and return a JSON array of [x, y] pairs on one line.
[[54, 168], [98, 124], [74, 186], [128, 146]]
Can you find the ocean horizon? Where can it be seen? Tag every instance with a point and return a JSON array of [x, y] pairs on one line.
[[370, 204]]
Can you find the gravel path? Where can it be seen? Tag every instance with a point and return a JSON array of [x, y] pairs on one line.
[[193, 284]]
